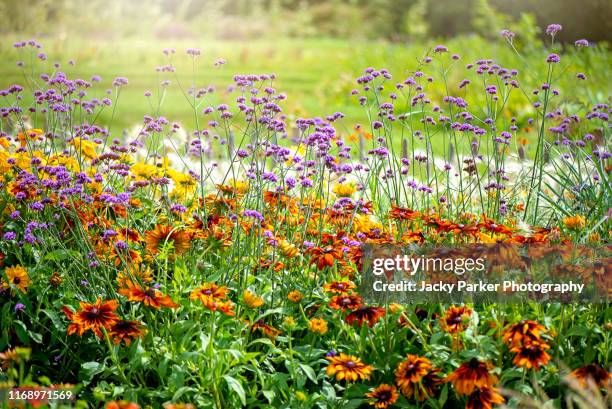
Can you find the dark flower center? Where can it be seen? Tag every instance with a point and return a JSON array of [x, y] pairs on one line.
[[350, 364], [150, 293], [94, 313], [384, 396], [123, 325], [16, 280], [474, 363], [456, 319]]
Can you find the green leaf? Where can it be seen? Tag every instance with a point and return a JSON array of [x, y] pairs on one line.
[[36, 337], [54, 317], [181, 391], [270, 395], [328, 391], [309, 372], [91, 369], [22, 332], [353, 403], [443, 396], [579, 330], [236, 386], [59, 255]]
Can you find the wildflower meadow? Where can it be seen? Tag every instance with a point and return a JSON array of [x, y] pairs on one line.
[[215, 260]]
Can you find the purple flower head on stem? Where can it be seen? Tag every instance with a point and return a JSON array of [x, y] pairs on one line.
[[553, 29], [507, 34], [194, 52], [440, 49], [120, 81], [581, 43]]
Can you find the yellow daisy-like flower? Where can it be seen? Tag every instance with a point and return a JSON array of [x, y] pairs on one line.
[[295, 296], [365, 223], [575, 222], [344, 189], [86, 148], [348, 368], [251, 299], [318, 325], [144, 171], [395, 307], [184, 185], [289, 323], [287, 249], [18, 277]]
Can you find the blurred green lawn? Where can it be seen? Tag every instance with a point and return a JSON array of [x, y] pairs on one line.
[[316, 75]]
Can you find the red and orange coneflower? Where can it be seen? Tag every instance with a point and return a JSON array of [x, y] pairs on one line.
[[162, 234], [531, 354], [325, 256], [348, 368], [416, 377], [401, 213], [345, 302], [484, 398], [97, 316], [147, 295], [267, 330], [456, 319], [362, 314], [134, 274], [523, 332], [339, 287], [213, 297], [592, 374], [209, 291], [125, 331], [382, 396], [130, 257], [471, 375]]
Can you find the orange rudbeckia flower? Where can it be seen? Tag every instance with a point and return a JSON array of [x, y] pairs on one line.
[[592, 374], [345, 302], [324, 257], [348, 367], [484, 398], [416, 377], [339, 287], [371, 315], [97, 316], [456, 319], [382, 396], [523, 332], [163, 234], [471, 375], [531, 354], [149, 296], [125, 331]]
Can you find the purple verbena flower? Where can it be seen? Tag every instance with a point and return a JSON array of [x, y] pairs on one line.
[[553, 29]]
